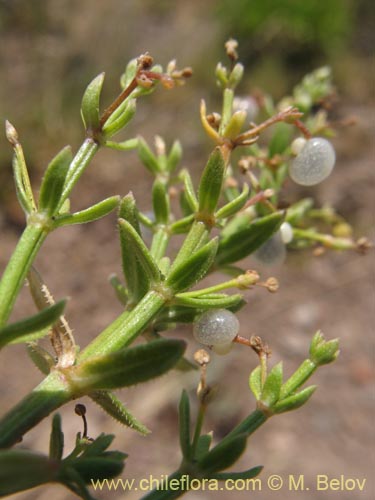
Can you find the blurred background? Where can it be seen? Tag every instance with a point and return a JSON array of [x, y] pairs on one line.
[[49, 51]]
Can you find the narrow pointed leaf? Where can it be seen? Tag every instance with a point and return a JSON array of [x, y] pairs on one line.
[[192, 270], [56, 443], [160, 202], [90, 214], [120, 290], [246, 240], [91, 102], [110, 129], [223, 455], [136, 245], [183, 225], [246, 474], [184, 425], [24, 201], [189, 192], [298, 210], [211, 183], [203, 446], [136, 279], [21, 331], [124, 145], [272, 385], [295, 401], [41, 358], [21, 470], [233, 206], [53, 181], [218, 301], [129, 366], [147, 157], [174, 156], [116, 409], [255, 383]]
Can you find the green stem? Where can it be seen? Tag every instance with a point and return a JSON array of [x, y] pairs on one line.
[[325, 239], [46, 397], [18, 266], [81, 160], [227, 109], [249, 425], [126, 327]]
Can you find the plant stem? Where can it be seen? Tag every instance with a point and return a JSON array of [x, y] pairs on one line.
[[126, 327], [49, 395], [249, 425], [18, 266]]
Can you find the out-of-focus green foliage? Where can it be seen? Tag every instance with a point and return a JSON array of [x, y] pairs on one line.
[[287, 26]]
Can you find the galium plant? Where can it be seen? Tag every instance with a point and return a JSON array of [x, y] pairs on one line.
[[239, 196]]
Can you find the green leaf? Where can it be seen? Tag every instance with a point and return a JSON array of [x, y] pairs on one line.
[[192, 270], [136, 280], [95, 468], [53, 181], [211, 183], [147, 157], [91, 102], [189, 193], [21, 470], [272, 385], [116, 409], [280, 139], [41, 358], [111, 128], [184, 425], [235, 124], [56, 442], [246, 474], [233, 206], [122, 146], [90, 214], [23, 330], [134, 244], [174, 156], [210, 301], [246, 240], [255, 382], [160, 202], [120, 290], [295, 401], [323, 352], [223, 455], [203, 446], [129, 366], [183, 225]]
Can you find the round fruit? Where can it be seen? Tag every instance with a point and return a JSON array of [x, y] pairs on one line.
[[286, 232], [216, 326], [313, 163], [272, 252]]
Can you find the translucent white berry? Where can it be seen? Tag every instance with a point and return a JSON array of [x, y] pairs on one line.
[[216, 326], [313, 163], [297, 145], [286, 232], [272, 252], [223, 349]]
